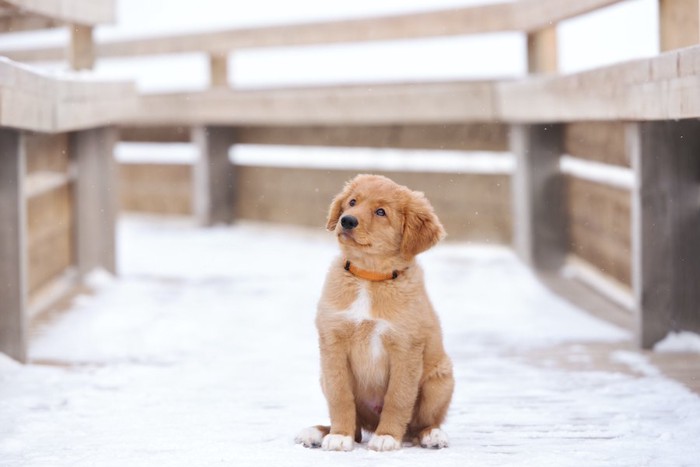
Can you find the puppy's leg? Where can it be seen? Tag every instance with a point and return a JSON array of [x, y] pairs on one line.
[[431, 408], [312, 437], [399, 401], [337, 386]]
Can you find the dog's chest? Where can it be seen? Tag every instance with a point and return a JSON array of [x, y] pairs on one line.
[[367, 353]]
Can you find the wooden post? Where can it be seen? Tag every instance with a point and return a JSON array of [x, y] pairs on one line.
[[218, 70], [213, 175], [538, 190], [82, 47], [542, 51], [96, 199], [13, 246], [665, 227], [679, 23]]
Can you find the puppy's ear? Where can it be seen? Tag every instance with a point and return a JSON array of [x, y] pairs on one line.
[[336, 208], [422, 229]]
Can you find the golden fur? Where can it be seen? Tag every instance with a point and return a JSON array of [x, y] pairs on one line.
[[383, 365]]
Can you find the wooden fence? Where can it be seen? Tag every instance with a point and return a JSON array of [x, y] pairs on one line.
[[637, 118]]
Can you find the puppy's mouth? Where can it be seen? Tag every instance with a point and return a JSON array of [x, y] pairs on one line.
[[344, 234]]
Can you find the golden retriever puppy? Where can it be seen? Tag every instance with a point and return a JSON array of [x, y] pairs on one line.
[[383, 365]]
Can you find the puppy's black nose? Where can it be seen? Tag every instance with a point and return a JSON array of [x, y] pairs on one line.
[[348, 222]]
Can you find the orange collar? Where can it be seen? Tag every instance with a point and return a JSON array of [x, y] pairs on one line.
[[370, 275]]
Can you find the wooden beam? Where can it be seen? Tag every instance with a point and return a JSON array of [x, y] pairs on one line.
[[542, 51], [82, 48], [214, 178], [95, 198], [419, 103], [524, 15], [87, 12], [218, 70], [539, 224], [13, 247], [665, 226], [466, 137], [679, 23]]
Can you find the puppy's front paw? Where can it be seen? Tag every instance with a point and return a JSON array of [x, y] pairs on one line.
[[335, 442], [310, 437], [384, 443], [434, 439]]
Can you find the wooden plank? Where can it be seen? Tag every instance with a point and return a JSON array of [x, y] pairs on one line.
[[23, 22], [599, 226], [81, 51], [538, 189], [665, 223], [96, 199], [218, 70], [47, 152], [463, 137], [156, 188], [13, 251], [679, 23], [524, 15], [155, 134], [419, 103], [598, 141], [542, 51], [460, 137], [471, 206], [49, 236], [87, 12], [214, 177]]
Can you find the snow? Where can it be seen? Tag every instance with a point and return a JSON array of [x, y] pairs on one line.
[[683, 341], [203, 351], [598, 172]]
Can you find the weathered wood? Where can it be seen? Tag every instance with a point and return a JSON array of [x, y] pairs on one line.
[[81, 53], [88, 12], [599, 226], [416, 103], [32, 100], [542, 51], [679, 23], [461, 137], [49, 236], [665, 226], [96, 199], [471, 206], [524, 15], [156, 188], [155, 134], [214, 177], [24, 22], [218, 70], [13, 250], [598, 141], [538, 202]]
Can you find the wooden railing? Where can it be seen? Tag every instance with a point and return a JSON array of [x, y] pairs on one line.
[[58, 193], [638, 118]]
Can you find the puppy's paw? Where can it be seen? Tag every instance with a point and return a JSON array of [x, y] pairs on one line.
[[336, 442], [310, 437], [434, 439], [383, 443]]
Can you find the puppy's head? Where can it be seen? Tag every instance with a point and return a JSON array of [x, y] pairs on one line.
[[375, 216]]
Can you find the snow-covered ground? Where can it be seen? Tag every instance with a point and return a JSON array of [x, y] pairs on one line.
[[203, 352]]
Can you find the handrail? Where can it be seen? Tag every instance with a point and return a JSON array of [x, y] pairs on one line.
[[85, 12], [519, 16], [30, 100]]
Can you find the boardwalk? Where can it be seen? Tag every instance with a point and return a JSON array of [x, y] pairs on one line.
[[204, 352]]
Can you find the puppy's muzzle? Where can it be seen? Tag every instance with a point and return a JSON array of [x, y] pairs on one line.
[[349, 222]]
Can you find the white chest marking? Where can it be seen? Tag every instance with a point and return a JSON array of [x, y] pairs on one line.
[[361, 310]]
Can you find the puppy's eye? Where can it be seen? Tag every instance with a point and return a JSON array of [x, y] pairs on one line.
[[380, 212], [352, 202]]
